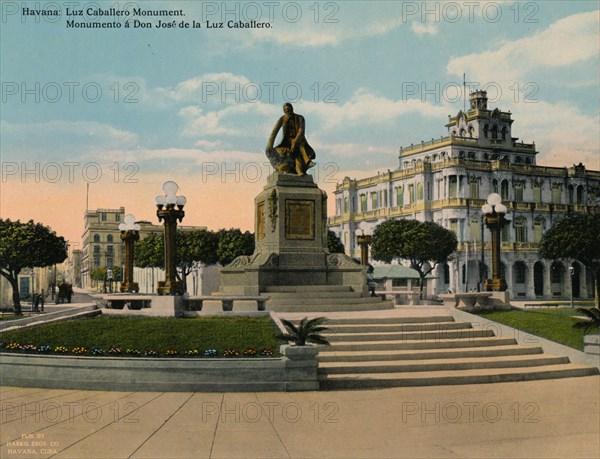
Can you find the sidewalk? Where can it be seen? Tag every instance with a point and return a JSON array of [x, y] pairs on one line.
[[551, 418]]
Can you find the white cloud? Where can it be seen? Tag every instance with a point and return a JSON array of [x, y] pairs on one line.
[[424, 29], [366, 107], [566, 42], [65, 133], [561, 132]]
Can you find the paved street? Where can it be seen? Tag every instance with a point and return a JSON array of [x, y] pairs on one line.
[[551, 418]]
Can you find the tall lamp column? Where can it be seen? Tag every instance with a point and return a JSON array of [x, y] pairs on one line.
[[130, 232], [493, 214], [167, 213]]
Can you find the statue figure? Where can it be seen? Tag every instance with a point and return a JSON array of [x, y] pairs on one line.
[[293, 155]]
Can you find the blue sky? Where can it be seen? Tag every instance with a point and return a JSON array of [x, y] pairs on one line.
[[182, 103]]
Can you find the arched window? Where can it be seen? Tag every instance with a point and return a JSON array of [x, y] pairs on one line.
[[571, 194], [485, 130], [494, 132], [96, 238], [463, 133], [580, 195], [504, 190], [504, 131], [471, 131], [109, 238], [495, 185]]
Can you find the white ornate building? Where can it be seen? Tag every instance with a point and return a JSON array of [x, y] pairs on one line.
[[447, 180]]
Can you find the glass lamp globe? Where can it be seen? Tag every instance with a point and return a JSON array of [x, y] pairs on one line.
[[494, 199], [487, 209], [170, 187], [501, 208]]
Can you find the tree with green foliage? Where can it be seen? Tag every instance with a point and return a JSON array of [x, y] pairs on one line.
[[422, 244], [233, 243], [27, 245], [192, 247], [334, 243], [99, 274], [575, 237]]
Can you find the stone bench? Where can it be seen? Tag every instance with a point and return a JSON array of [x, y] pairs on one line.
[[134, 302], [226, 301], [466, 300], [398, 294]]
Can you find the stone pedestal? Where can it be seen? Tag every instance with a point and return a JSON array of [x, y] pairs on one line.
[[291, 242]]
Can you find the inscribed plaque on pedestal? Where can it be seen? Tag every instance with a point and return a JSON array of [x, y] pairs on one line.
[[299, 219]]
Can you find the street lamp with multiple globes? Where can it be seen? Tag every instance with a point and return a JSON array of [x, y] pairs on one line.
[[493, 213], [130, 232], [167, 213]]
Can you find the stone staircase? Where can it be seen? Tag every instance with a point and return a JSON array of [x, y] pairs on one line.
[[426, 351], [321, 298]]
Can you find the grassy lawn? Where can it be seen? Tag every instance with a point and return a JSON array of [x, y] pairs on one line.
[[151, 333], [552, 324]]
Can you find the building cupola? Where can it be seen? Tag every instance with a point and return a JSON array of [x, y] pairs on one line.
[[478, 100]]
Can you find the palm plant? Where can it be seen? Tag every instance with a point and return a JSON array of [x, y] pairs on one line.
[[307, 331], [591, 321]]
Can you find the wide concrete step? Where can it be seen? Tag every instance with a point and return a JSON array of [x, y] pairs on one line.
[[439, 335], [398, 345], [334, 368], [302, 300], [491, 351], [390, 320], [307, 288], [326, 307], [312, 294], [453, 377], [370, 328]]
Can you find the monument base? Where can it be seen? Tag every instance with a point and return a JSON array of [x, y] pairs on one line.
[[291, 245]]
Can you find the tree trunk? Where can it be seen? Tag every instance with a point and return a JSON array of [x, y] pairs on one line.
[[597, 289], [14, 282], [421, 287]]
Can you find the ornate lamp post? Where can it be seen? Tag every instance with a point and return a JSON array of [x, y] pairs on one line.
[[167, 213], [130, 232], [493, 213]]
